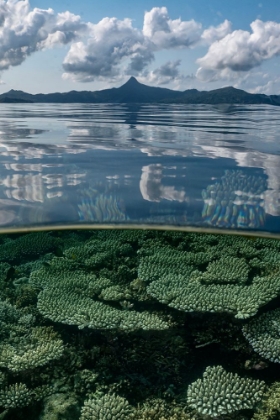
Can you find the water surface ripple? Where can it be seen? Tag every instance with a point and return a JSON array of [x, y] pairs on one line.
[[201, 166]]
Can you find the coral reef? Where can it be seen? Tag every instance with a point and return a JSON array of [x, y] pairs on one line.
[[35, 348], [26, 246], [269, 409], [121, 324], [263, 333], [190, 295], [16, 395], [105, 407], [220, 392], [216, 280]]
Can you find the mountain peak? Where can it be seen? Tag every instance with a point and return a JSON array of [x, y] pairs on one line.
[[132, 82]]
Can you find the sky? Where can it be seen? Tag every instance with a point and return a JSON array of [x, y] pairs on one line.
[[59, 46]]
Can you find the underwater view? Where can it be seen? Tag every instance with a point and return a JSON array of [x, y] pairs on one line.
[[139, 324]]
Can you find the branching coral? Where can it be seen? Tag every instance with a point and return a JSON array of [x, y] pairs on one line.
[[263, 333], [220, 392], [15, 396], [28, 246], [106, 407], [37, 348], [269, 409]]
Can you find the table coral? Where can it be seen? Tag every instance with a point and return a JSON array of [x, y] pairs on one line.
[[263, 333]]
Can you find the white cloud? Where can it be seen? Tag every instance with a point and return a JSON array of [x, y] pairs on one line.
[[204, 74], [114, 43], [240, 51], [24, 31], [111, 41], [164, 74], [215, 33], [269, 87], [166, 33], [113, 48]]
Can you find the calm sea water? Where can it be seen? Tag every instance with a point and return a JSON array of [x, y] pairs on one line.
[[198, 165], [139, 324]]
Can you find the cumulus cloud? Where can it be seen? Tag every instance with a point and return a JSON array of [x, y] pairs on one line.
[[241, 51], [215, 33], [209, 75], [111, 41], [266, 84], [24, 31], [113, 48], [166, 73], [166, 33]]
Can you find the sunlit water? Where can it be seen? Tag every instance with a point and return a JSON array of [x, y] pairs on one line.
[[214, 167]]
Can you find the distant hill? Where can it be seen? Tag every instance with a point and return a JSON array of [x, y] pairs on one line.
[[134, 92]]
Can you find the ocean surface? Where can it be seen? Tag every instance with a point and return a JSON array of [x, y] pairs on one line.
[[186, 166], [119, 297]]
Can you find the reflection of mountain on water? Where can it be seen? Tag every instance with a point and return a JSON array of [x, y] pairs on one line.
[[132, 115]]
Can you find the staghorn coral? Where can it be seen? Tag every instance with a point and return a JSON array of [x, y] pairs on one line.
[[66, 272], [71, 298], [114, 293], [220, 392], [24, 346], [263, 333]]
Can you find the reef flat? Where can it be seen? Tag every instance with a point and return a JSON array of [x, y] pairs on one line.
[[139, 324]]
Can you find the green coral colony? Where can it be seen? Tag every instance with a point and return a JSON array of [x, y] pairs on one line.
[[139, 324]]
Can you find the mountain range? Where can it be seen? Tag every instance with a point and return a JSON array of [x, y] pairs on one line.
[[134, 92]]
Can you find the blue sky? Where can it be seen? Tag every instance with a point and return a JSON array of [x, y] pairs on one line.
[[51, 45]]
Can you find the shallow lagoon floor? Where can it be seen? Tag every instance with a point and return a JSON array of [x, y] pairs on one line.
[[141, 324]]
